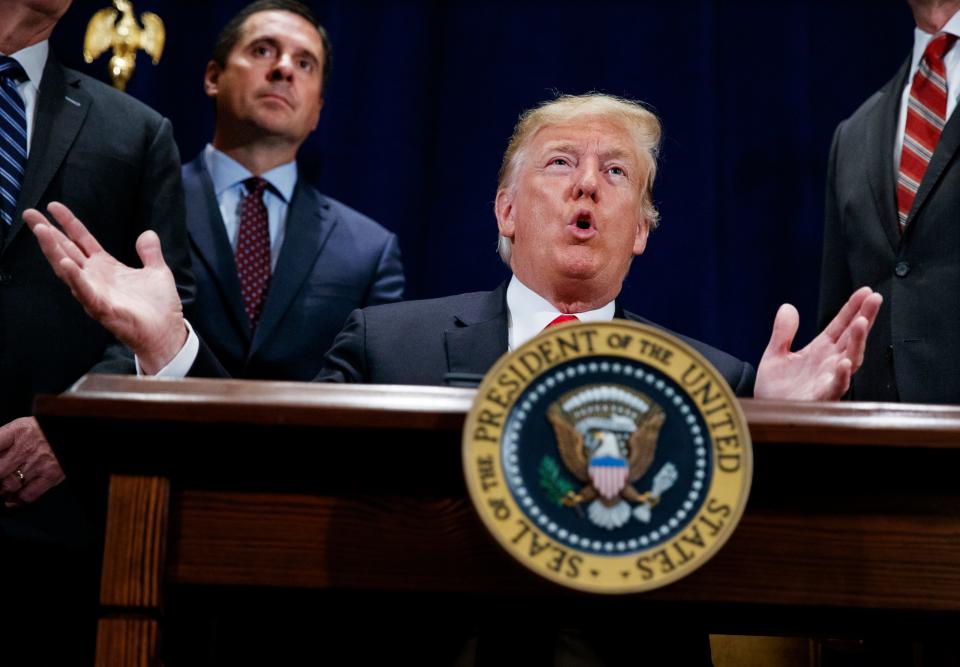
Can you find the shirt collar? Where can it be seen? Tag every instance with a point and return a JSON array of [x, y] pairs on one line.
[[921, 38], [225, 172], [530, 313], [33, 59]]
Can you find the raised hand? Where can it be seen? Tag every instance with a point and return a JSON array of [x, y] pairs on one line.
[[822, 370], [138, 306]]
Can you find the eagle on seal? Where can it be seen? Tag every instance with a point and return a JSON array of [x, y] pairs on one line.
[[595, 457]]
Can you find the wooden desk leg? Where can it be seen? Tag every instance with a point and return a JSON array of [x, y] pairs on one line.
[[134, 554]]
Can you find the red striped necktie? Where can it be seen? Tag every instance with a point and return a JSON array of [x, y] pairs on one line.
[[926, 116]]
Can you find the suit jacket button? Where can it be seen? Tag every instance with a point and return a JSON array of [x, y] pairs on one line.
[[901, 269]]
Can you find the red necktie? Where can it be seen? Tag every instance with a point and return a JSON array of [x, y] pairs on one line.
[[926, 116], [560, 319], [253, 249]]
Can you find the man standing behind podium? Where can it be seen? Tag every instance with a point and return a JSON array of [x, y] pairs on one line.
[[65, 137], [278, 265], [893, 218]]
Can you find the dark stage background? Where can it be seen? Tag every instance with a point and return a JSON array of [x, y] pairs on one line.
[[424, 95]]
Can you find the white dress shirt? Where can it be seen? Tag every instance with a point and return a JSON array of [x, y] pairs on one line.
[[952, 63], [32, 59], [528, 313]]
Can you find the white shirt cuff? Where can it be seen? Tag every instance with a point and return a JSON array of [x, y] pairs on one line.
[[180, 365]]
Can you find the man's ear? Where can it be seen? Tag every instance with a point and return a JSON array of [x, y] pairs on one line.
[[210, 78], [640, 241], [503, 207]]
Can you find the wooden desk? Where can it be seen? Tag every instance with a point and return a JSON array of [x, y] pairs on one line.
[[854, 508]]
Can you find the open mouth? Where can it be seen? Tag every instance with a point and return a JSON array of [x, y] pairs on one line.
[[582, 225]]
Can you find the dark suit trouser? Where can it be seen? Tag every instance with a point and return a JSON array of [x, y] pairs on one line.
[[49, 590]]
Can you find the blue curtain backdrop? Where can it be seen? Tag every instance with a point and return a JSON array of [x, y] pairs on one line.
[[424, 95]]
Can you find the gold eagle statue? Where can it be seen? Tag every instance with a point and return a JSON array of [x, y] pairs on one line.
[[125, 36], [641, 448]]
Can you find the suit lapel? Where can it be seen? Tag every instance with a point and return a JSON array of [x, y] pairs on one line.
[[309, 224], [209, 237], [61, 107], [881, 171], [480, 335]]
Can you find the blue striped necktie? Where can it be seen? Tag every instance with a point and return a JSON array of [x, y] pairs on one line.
[[13, 138]]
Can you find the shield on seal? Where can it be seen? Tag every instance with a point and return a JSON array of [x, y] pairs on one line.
[[608, 474]]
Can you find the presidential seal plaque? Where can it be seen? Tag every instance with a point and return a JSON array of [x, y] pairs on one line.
[[609, 457]]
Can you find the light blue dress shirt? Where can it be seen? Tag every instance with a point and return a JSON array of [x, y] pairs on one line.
[[32, 59], [228, 176]]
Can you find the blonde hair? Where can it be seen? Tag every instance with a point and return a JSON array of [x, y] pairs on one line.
[[642, 124]]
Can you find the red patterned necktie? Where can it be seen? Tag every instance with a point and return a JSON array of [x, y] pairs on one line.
[[253, 249], [926, 116], [560, 319]]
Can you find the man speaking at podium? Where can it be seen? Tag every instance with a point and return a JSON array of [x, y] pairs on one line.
[[573, 206]]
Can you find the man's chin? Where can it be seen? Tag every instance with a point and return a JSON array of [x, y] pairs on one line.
[[579, 264], [272, 124], [600, 277]]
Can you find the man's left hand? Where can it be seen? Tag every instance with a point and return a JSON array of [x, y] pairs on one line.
[[822, 370], [28, 468]]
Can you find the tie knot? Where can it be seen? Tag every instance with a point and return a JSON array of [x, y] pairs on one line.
[[255, 186], [938, 47], [561, 319], [11, 69]]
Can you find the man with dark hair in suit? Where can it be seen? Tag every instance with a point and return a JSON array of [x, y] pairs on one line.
[[63, 137], [893, 218], [278, 265]]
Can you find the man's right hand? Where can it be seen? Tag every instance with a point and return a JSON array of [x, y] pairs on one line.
[[140, 307]]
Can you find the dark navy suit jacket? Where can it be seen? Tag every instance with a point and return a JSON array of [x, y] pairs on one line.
[[452, 339], [333, 260]]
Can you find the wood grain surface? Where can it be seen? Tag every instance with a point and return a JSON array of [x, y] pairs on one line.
[[854, 508]]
